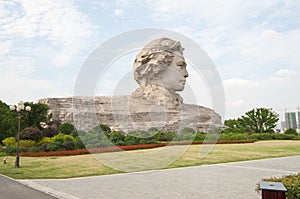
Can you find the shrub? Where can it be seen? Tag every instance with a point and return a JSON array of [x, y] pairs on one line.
[[254, 136], [81, 132], [25, 145], [214, 130], [68, 129], [34, 149], [291, 183], [49, 132], [102, 129], [130, 140], [78, 143], [44, 140], [10, 141], [120, 143], [90, 140], [188, 130], [296, 138], [61, 138], [212, 137], [53, 146], [10, 150], [68, 145], [145, 141], [266, 136], [291, 132], [284, 136], [116, 136], [160, 136], [30, 133], [234, 136], [200, 136], [185, 137], [44, 146], [262, 136], [105, 142]]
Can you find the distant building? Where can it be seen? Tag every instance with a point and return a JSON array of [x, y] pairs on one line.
[[283, 126], [298, 119], [290, 120]]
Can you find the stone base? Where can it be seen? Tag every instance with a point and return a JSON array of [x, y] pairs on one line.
[[124, 114]]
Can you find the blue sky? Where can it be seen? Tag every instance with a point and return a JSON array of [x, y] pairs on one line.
[[253, 44]]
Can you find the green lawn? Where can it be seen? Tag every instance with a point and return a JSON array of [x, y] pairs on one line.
[[88, 165]]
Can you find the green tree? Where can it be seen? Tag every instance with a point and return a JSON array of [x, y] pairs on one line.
[[234, 126], [8, 127], [260, 120], [9, 119], [38, 113], [68, 129]]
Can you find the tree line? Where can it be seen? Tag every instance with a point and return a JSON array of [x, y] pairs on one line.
[[257, 124]]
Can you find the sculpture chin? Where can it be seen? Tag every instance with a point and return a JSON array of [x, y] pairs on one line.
[[157, 94]]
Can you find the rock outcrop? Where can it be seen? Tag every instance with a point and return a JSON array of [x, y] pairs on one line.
[[118, 113]]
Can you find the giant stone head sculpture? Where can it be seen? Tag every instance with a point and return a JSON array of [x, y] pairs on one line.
[[161, 62], [160, 70]]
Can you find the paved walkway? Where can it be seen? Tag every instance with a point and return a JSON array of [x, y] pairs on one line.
[[11, 189], [230, 180]]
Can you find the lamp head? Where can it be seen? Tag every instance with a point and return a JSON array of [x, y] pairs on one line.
[[12, 107], [28, 108]]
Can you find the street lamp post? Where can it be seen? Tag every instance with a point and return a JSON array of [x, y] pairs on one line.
[[19, 110]]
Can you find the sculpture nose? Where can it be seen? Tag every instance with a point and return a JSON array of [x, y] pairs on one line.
[[185, 73]]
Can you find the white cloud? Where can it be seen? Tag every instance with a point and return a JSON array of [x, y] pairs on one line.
[[278, 91], [240, 83], [118, 12], [35, 37], [272, 46], [58, 21], [5, 47], [21, 65], [201, 11], [237, 103], [15, 87], [284, 73], [242, 38]]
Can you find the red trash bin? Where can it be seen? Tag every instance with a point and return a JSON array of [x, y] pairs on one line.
[[272, 190]]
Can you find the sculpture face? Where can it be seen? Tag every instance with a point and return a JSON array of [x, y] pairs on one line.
[[160, 70], [174, 76]]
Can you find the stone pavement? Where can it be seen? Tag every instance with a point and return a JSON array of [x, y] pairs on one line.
[[230, 180], [11, 189]]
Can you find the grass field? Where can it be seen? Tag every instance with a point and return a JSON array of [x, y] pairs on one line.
[[88, 165]]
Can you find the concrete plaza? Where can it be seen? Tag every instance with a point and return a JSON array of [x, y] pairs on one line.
[[230, 180]]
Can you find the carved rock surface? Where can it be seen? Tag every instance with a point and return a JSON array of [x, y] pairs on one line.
[[118, 113]]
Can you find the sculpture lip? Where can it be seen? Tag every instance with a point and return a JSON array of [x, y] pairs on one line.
[[182, 81]]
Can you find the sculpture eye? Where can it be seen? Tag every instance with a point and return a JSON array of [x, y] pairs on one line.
[[181, 64]]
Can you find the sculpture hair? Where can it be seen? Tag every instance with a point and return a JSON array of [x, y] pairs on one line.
[[154, 58]]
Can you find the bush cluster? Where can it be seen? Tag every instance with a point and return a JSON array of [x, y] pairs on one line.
[[67, 138], [48, 139]]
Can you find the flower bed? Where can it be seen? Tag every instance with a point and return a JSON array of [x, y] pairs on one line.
[[125, 148]]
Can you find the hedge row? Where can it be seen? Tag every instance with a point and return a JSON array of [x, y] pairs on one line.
[[121, 148]]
